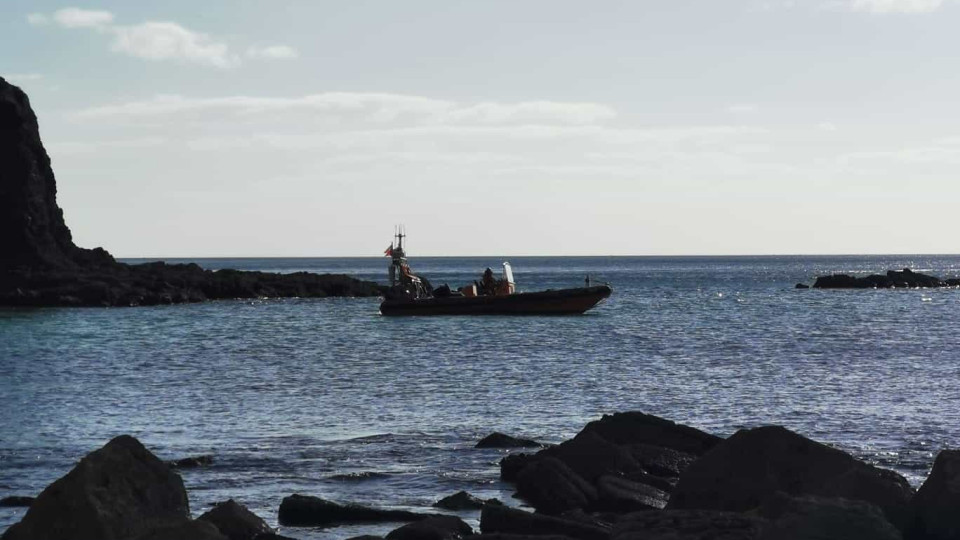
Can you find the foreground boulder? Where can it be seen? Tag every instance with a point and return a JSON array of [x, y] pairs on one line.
[[186, 530], [41, 266], [744, 471], [631, 428], [435, 528], [935, 510], [688, 525], [552, 487], [117, 492], [817, 518], [501, 519], [306, 511], [235, 521]]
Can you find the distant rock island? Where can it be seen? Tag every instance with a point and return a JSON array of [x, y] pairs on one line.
[[892, 279], [41, 266]]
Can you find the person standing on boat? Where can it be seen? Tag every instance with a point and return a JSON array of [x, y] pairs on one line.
[[488, 285]]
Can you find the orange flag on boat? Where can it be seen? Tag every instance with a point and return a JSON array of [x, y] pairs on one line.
[[389, 251]]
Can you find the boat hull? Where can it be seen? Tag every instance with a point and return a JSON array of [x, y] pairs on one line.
[[553, 302]]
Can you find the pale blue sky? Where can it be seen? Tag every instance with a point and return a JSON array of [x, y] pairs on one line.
[[548, 127]]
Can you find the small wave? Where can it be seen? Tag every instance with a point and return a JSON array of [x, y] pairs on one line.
[[359, 476]]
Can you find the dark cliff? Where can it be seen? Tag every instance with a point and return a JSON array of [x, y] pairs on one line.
[[40, 265]]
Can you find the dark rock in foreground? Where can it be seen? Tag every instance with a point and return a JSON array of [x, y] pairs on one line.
[[893, 279], [500, 519], [235, 521], [462, 500], [748, 469], [935, 510], [688, 525], [16, 501], [186, 530], [806, 518], [435, 528], [117, 492], [306, 511], [500, 440], [41, 266], [628, 428]]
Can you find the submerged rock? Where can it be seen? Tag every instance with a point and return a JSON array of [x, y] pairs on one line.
[[192, 462], [744, 471], [935, 510], [462, 500], [306, 511], [117, 492], [499, 440], [235, 521], [16, 501]]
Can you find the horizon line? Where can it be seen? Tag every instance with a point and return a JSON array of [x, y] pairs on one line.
[[734, 255]]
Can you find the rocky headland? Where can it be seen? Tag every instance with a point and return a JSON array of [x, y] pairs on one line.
[[41, 266], [626, 476]]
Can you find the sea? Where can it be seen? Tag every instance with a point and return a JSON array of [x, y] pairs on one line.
[[326, 397]]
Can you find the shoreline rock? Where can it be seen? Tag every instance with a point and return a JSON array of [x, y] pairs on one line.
[[308, 511], [41, 266]]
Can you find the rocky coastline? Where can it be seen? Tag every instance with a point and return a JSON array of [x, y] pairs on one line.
[[626, 476], [41, 266]]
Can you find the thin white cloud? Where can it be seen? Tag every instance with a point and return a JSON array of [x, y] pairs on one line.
[[827, 126], [38, 19], [170, 41], [895, 6], [743, 108], [82, 18], [151, 40], [372, 106], [23, 77], [273, 52]]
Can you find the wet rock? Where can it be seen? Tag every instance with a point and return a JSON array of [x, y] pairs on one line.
[[236, 521], [510, 536], [500, 519], [117, 492], [817, 518], [462, 500], [590, 456], [552, 487], [16, 501], [687, 525], [185, 530], [801, 286], [628, 428], [366, 537], [275, 536], [665, 485], [660, 461], [934, 510], [306, 511], [192, 462], [747, 469], [435, 528], [511, 465], [618, 494], [499, 440]]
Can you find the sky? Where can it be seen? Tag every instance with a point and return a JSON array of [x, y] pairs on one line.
[[535, 127]]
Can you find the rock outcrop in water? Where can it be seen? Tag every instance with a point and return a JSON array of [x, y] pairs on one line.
[[41, 266], [892, 279]]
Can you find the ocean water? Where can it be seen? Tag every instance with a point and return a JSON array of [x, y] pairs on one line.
[[326, 397]]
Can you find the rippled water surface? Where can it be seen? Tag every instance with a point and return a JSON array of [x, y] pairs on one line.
[[326, 397]]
